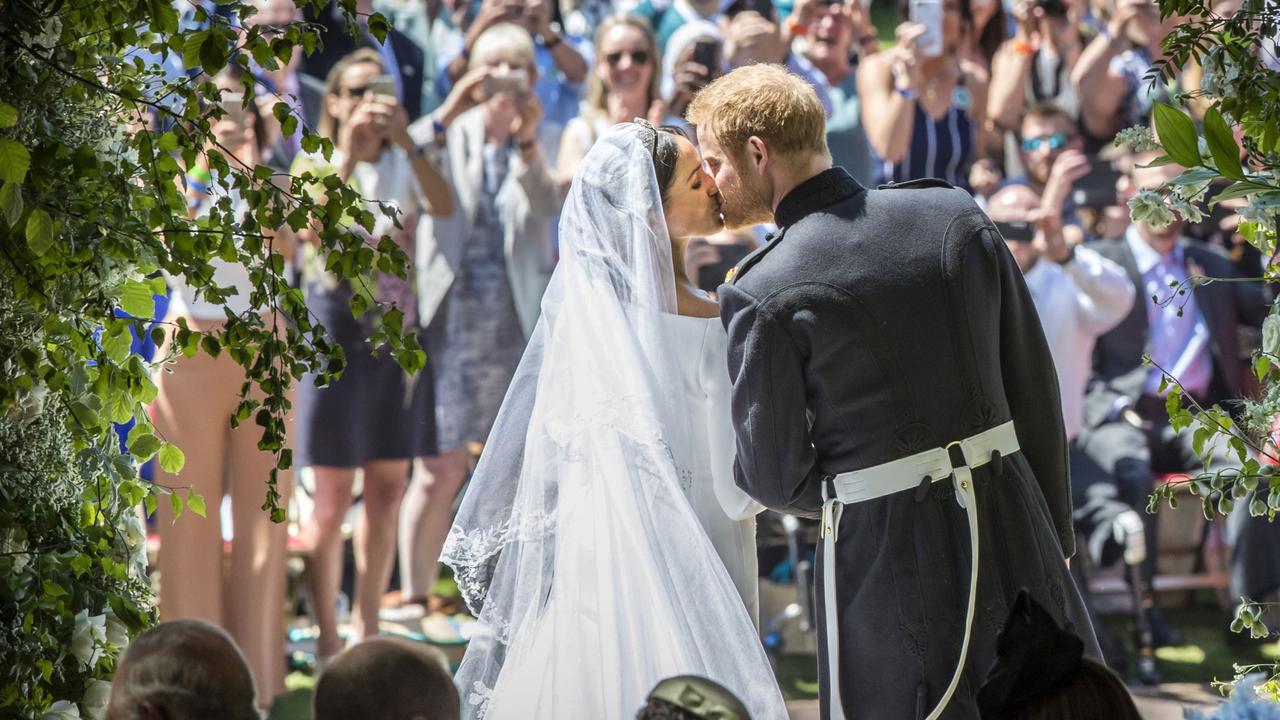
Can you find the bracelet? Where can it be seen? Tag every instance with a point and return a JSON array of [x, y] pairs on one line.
[[551, 41], [1071, 255], [795, 27], [1022, 47], [907, 93], [527, 145]]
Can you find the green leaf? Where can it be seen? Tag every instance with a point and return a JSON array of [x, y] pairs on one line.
[[142, 443], [1222, 145], [195, 502], [168, 142], [81, 563], [11, 203], [175, 503], [171, 459], [117, 342], [359, 304], [14, 161], [213, 53], [151, 502], [191, 48], [1261, 367], [1177, 134], [1240, 189], [53, 589], [137, 300], [379, 27], [39, 232], [8, 115]]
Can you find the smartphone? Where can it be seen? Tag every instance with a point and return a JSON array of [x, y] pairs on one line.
[[1018, 231], [1096, 190], [233, 105], [711, 277], [706, 53], [510, 82], [383, 85], [763, 7], [929, 14]]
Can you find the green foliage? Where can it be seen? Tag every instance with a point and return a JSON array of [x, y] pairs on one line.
[[94, 148], [1233, 154]]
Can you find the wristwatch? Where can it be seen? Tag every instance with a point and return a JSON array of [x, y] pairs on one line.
[[1071, 255]]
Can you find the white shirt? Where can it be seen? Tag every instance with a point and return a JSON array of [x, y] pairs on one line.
[[1077, 302], [1178, 331]]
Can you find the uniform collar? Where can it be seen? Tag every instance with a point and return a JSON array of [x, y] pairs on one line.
[[822, 190]]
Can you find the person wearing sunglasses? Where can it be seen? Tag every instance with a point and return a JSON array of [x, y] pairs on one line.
[[1052, 155], [623, 85]]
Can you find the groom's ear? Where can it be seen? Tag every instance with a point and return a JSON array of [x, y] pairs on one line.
[[757, 154]]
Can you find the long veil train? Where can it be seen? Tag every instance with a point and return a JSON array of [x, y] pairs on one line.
[[575, 546]]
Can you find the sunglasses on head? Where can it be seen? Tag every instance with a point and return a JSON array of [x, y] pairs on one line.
[[1056, 141], [638, 57]]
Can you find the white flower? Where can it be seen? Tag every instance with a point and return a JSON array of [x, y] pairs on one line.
[[88, 637], [1194, 192], [1264, 218], [62, 710], [1139, 139], [1150, 206], [1271, 335], [135, 536], [1186, 210], [96, 698], [117, 631]]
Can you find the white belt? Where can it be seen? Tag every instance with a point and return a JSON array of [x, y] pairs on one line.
[[905, 474]]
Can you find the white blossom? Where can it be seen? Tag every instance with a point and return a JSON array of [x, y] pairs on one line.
[[135, 536], [1150, 206], [1185, 209], [96, 698], [1271, 335], [117, 631], [88, 638], [62, 710], [1264, 218], [1139, 139]]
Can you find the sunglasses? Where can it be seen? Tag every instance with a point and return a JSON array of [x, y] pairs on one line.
[[1056, 141], [638, 57], [355, 92]]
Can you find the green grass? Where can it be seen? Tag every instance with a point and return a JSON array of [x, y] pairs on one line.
[[1206, 655]]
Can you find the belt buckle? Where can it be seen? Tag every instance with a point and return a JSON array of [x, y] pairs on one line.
[[951, 457]]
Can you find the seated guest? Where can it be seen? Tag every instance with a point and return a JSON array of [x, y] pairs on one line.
[[1194, 337], [389, 679], [689, 697], [182, 670]]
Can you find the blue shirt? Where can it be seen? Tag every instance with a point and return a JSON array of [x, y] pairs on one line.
[[1178, 331]]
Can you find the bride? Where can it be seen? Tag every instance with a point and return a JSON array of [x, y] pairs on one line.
[[602, 544]]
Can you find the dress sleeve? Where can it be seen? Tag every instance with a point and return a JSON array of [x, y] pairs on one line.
[[714, 379]]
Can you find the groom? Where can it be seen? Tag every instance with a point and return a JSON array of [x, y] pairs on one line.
[[890, 377]]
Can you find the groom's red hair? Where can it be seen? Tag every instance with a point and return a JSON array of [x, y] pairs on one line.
[[765, 101]]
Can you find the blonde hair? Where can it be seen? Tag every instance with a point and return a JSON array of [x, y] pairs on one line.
[[501, 39], [327, 125], [597, 93], [764, 101]]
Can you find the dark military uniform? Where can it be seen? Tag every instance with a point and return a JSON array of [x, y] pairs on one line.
[[876, 325]]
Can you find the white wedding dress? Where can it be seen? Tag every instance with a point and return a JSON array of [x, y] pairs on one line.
[[601, 543], [726, 513]]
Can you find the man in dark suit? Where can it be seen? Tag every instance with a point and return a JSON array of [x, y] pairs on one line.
[[890, 376], [400, 55], [1191, 336]]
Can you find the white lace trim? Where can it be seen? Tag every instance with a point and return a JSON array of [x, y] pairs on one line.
[[470, 553]]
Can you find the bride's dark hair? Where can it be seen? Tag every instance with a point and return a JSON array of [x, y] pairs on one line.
[[666, 151]]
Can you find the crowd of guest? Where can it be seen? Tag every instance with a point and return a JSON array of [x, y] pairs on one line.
[[471, 119]]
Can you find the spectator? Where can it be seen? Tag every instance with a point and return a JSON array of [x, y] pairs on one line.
[[754, 36], [1040, 673], [1111, 71], [990, 30], [829, 38], [1051, 153], [667, 16], [387, 679], [1035, 66], [481, 274], [683, 76], [1078, 293], [1193, 337], [400, 57], [623, 87], [689, 697], [429, 25], [303, 93], [925, 115], [373, 418], [560, 62], [183, 669], [194, 404]]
